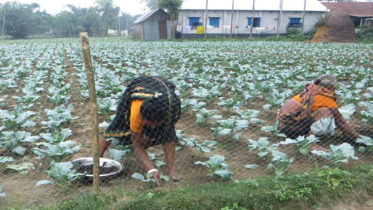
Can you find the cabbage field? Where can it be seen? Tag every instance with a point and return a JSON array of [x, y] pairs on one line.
[[230, 92]]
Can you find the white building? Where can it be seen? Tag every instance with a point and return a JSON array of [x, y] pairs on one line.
[[267, 17]]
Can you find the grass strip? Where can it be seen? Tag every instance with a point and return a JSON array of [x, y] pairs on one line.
[[300, 190]]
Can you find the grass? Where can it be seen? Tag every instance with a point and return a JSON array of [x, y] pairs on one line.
[[315, 189]]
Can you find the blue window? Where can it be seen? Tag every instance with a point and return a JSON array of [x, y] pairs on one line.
[[294, 22], [193, 21], [256, 22], [214, 21]]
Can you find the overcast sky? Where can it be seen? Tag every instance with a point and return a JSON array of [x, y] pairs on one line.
[[133, 7]]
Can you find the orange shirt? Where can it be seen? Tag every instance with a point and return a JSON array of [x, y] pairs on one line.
[[136, 121], [320, 102]]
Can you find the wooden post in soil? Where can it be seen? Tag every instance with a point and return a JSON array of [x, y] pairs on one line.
[[93, 106]]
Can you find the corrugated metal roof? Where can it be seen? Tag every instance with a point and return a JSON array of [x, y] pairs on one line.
[[267, 5], [145, 16], [357, 9]]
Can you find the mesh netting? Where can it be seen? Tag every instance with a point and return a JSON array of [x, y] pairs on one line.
[[214, 118]]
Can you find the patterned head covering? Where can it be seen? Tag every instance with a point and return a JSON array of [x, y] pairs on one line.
[[326, 81]]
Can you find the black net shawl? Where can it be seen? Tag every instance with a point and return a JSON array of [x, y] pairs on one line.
[[153, 87]]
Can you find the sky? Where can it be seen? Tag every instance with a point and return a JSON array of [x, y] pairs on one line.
[[133, 7]]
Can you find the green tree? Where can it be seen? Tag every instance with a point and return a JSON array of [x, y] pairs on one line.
[[109, 15], [151, 4], [62, 24], [172, 7], [91, 22], [43, 23], [2, 12], [126, 20], [18, 19]]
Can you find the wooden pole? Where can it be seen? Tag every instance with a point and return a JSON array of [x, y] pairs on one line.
[[279, 18], [3, 21], [252, 20], [207, 2], [119, 30], [303, 16], [232, 18], [93, 106]]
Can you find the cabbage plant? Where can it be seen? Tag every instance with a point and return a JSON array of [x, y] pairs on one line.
[[57, 136], [57, 151], [301, 143], [27, 99], [59, 99], [338, 154], [367, 114], [230, 103], [146, 178], [194, 104], [21, 168], [106, 105], [204, 115], [17, 119], [347, 111], [5, 159], [262, 145], [367, 141], [206, 94], [11, 140], [218, 168], [58, 117], [63, 173], [206, 146], [250, 113], [280, 162], [229, 127]]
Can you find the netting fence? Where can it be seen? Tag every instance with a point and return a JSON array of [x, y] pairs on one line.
[[230, 94]]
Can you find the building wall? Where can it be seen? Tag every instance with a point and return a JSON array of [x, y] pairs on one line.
[[169, 24], [137, 31], [268, 23], [149, 28]]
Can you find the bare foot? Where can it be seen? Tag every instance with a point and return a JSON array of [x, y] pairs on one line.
[[174, 175], [318, 148]]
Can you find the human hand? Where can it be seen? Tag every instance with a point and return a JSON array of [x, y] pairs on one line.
[[156, 176]]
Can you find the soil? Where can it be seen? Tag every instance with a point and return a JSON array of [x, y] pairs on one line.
[[22, 192]]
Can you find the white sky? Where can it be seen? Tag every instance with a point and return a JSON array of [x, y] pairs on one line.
[[133, 7]]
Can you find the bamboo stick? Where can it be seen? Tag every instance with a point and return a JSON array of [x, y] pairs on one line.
[[93, 106]]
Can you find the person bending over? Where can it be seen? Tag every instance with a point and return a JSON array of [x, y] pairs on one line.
[[314, 112], [146, 116]]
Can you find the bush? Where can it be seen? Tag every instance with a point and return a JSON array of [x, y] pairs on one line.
[[364, 33], [311, 32], [293, 31]]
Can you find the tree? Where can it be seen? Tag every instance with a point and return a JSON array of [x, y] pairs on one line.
[[2, 12], [109, 15], [62, 23], [42, 23], [172, 7], [19, 20], [151, 4], [91, 22], [126, 20]]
